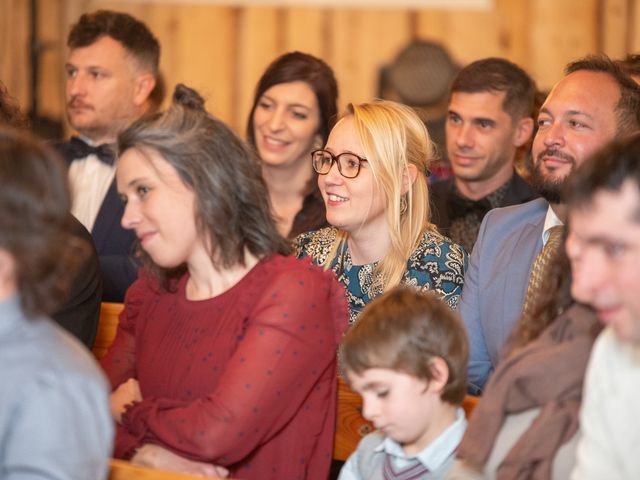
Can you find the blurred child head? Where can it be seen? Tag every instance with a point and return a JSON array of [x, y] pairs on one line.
[[407, 356]]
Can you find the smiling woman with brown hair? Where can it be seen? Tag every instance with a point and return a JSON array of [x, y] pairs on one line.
[[293, 110]]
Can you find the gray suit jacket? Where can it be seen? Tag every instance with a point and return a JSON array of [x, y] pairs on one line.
[[496, 280]]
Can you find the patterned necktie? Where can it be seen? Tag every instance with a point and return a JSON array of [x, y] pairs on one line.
[[414, 470], [554, 242], [78, 148]]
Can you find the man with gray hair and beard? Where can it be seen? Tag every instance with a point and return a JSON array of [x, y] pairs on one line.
[[594, 103]]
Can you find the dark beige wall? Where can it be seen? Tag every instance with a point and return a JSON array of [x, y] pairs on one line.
[[221, 50]]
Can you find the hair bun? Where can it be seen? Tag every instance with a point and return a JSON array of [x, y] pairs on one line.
[[188, 97]]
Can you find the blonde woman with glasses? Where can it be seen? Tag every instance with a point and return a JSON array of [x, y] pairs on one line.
[[373, 179]]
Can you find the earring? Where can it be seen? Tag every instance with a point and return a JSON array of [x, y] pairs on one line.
[[403, 205]]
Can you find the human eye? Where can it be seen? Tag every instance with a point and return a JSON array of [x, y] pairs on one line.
[[454, 118], [71, 71], [142, 191], [350, 161], [264, 104], [485, 124], [577, 124], [298, 115], [97, 74], [614, 249], [543, 122], [382, 393]]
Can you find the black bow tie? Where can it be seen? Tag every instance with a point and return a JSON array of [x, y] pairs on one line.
[[78, 148]]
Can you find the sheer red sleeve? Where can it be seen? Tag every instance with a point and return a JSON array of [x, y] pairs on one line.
[[119, 363], [289, 344]]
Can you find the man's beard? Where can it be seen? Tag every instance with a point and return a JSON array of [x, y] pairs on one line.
[[550, 188]]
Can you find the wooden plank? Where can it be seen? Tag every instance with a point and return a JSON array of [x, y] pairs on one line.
[[351, 426], [305, 29], [257, 45], [14, 47], [121, 470], [614, 27], [562, 31], [107, 327], [633, 27], [362, 42]]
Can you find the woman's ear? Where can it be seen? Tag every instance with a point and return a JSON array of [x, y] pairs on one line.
[[440, 372], [409, 176], [317, 142]]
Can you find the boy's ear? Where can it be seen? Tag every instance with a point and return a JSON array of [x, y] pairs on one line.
[[440, 372]]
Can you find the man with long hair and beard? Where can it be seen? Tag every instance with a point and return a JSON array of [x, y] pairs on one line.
[[593, 104]]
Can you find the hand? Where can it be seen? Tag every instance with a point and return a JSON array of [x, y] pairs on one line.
[[126, 393], [158, 457]]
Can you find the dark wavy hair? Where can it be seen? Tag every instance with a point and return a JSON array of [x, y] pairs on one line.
[[302, 67], [496, 74], [628, 107], [232, 207], [403, 330], [134, 35], [35, 225], [10, 113]]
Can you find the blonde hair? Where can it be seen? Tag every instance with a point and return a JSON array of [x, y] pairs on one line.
[[393, 137]]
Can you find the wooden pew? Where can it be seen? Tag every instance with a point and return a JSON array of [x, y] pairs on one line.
[[121, 470], [109, 313]]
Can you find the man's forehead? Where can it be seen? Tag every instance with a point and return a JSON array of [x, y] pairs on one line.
[[105, 50], [607, 211], [584, 91], [490, 101]]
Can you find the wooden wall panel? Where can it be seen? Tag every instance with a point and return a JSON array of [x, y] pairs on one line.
[[14, 53], [361, 43], [306, 30], [561, 30], [260, 39], [222, 50], [615, 14], [633, 27]]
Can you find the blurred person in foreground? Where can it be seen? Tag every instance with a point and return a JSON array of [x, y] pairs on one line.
[[54, 407]]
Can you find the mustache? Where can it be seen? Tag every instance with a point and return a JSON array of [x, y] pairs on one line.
[[75, 102], [554, 152]]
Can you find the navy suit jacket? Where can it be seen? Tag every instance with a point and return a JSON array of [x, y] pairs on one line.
[[496, 281], [115, 245]]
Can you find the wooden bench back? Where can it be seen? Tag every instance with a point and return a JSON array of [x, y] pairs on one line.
[[121, 470], [109, 314]]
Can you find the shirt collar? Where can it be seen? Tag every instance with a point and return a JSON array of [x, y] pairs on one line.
[[438, 451], [551, 220]]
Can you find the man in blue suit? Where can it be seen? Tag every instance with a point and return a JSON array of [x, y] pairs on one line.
[[111, 73], [594, 103]]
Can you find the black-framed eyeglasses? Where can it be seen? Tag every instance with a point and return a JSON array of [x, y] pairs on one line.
[[348, 163]]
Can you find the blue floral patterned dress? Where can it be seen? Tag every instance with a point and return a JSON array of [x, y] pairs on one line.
[[437, 264]]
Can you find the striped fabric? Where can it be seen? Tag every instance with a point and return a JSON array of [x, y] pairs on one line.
[[413, 471]]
